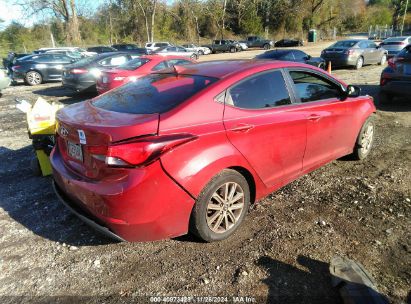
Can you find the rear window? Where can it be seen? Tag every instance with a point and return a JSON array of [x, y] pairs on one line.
[[405, 52], [344, 44], [133, 64], [155, 93], [395, 39]]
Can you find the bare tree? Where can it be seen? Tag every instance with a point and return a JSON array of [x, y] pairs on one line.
[[148, 9]]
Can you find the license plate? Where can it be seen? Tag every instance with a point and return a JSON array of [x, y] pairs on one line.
[[105, 79], [74, 151], [407, 69]]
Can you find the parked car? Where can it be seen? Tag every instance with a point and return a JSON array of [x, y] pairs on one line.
[[243, 45], [82, 75], [154, 46], [293, 55], [4, 80], [38, 68], [136, 68], [395, 44], [200, 50], [256, 41], [83, 52], [192, 148], [396, 78], [289, 43], [72, 54], [176, 51], [354, 52], [224, 46], [128, 47], [11, 59], [101, 49]]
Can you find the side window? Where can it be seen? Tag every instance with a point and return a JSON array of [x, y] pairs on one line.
[[311, 87], [288, 56], [118, 60], [178, 62], [372, 45], [363, 44], [61, 58], [299, 55], [160, 66], [179, 49], [263, 91], [46, 58]]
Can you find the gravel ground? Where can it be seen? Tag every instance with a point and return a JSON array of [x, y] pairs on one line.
[[281, 254]]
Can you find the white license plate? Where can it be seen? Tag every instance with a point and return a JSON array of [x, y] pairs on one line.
[[407, 69], [74, 151], [105, 79]]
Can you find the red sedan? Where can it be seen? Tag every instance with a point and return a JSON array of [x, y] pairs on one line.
[[190, 149], [136, 68]]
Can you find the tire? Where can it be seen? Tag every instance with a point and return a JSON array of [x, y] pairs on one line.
[[35, 166], [232, 49], [322, 66], [266, 46], [200, 52], [194, 57], [383, 60], [384, 98], [365, 140], [359, 63], [33, 78], [213, 219]]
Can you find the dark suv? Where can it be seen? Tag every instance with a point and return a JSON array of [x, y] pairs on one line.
[[37, 68], [225, 46]]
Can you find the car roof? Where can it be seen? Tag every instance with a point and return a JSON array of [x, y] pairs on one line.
[[225, 68]]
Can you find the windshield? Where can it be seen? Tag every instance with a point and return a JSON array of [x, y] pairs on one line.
[[155, 93], [345, 44], [133, 64]]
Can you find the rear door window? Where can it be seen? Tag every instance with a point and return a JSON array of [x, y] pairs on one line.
[[178, 62], [155, 93], [312, 87], [160, 66], [265, 90]]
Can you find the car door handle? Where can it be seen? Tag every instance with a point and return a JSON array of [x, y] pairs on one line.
[[242, 128], [314, 117]]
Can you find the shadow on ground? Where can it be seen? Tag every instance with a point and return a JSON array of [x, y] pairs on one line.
[[30, 201], [288, 284], [398, 104], [60, 91]]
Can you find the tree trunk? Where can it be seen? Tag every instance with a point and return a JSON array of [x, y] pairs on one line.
[[153, 13], [74, 25]]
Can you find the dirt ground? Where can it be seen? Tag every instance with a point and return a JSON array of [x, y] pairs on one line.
[[281, 254]]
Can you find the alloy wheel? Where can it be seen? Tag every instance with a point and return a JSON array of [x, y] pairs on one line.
[[367, 139], [360, 63], [33, 78], [225, 207]]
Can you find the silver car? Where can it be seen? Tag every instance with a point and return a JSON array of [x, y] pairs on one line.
[[354, 52], [200, 50], [395, 44], [176, 51]]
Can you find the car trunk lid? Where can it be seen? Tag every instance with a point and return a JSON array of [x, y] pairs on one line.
[[84, 128]]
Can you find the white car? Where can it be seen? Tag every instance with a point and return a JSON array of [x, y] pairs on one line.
[[200, 50], [176, 51], [153, 46], [243, 45]]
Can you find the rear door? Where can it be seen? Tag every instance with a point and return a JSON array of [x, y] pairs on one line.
[[328, 116], [375, 53], [264, 125], [366, 52]]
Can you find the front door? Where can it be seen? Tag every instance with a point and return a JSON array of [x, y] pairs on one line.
[[266, 127]]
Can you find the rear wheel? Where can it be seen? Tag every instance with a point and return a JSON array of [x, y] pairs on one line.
[[221, 206], [360, 63], [365, 140], [232, 49], [200, 52], [33, 78], [384, 98], [266, 46], [194, 57]]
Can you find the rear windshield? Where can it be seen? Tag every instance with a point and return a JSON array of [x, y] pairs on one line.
[[133, 64], [406, 52], [395, 39], [345, 44], [271, 55], [155, 93]]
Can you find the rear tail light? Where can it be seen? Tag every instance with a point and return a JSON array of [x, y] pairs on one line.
[[79, 71], [138, 152], [15, 67], [392, 62], [349, 52]]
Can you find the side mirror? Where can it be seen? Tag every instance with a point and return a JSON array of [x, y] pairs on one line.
[[353, 91]]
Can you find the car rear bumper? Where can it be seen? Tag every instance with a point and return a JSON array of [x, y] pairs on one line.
[[397, 87], [341, 61], [78, 84], [144, 205]]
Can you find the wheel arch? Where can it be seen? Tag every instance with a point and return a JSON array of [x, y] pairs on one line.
[[250, 180]]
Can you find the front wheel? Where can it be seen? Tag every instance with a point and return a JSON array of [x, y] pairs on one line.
[[194, 57], [232, 49], [221, 207], [364, 140], [266, 46], [200, 52]]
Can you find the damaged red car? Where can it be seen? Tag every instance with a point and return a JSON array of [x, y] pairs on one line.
[[190, 148]]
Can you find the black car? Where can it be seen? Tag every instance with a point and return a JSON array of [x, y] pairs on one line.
[[101, 49], [293, 55], [82, 75], [288, 43], [129, 47], [396, 77], [38, 68]]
